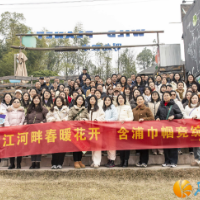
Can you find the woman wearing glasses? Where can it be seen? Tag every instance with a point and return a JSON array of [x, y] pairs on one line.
[[14, 118]]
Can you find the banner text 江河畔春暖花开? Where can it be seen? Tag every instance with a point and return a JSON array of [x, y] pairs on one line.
[[72, 136]]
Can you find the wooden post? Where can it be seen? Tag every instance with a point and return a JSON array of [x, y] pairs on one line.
[[31, 79], [15, 57], [20, 44]]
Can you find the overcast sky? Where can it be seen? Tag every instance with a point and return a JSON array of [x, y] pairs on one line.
[[105, 15]]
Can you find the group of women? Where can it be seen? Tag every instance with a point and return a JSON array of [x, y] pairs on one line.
[[140, 101]]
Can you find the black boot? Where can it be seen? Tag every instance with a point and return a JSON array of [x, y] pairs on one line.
[[32, 166], [110, 163], [18, 166], [18, 163], [121, 163], [12, 166], [125, 163], [37, 165], [106, 165]]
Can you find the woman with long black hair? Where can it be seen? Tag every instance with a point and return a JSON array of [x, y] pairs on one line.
[[78, 113], [128, 94], [96, 113], [123, 81], [185, 101], [133, 102], [124, 114], [139, 83], [58, 112], [192, 111], [110, 115], [150, 80], [191, 80], [195, 89], [66, 90], [163, 89], [153, 106], [36, 113], [47, 101], [63, 95], [108, 83], [147, 94], [177, 78], [7, 101], [26, 100], [32, 92]]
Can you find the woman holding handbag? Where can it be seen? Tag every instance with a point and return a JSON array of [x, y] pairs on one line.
[[78, 113]]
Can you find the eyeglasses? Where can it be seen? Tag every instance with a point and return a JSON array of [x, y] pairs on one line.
[[16, 102]]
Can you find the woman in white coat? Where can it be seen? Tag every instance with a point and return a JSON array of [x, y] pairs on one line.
[[15, 117], [59, 112], [110, 115], [7, 101], [192, 111], [97, 93], [96, 113], [3, 106], [124, 114], [177, 78]]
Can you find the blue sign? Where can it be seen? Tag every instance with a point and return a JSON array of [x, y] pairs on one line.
[[90, 36], [106, 45]]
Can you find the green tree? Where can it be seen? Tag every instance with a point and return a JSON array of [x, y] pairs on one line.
[[127, 62], [10, 25], [145, 58], [103, 60], [42, 73], [80, 58]]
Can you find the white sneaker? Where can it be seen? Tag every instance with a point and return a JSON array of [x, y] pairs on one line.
[[166, 165], [59, 167], [173, 165], [92, 165], [54, 167], [96, 166], [143, 165], [138, 165]]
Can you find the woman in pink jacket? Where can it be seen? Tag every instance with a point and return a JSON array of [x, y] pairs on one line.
[[15, 117]]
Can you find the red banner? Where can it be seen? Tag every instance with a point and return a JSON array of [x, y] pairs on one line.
[[71, 136]]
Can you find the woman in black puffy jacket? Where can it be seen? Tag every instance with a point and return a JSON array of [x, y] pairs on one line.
[[168, 110]]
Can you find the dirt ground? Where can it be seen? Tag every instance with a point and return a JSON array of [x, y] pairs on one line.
[[95, 184]]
